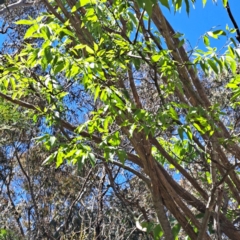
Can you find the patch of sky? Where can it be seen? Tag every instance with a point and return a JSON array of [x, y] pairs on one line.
[[201, 20]]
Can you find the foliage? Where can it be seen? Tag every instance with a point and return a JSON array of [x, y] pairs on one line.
[[107, 92]]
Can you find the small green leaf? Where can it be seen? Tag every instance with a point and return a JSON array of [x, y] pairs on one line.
[[224, 2], [48, 54], [219, 32], [82, 3], [187, 6], [176, 230], [50, 159], [92, 158], [180, 44], [155, 58], [132, 128], [60, 158], [178, 5], [25, 22], [89, 50], [122, 155], [165, 4], [212, 35], [68, 32], [157, 232], [29, 33], [148, 7], [213, 65], [208, 177], [206, 40], [96, 92]]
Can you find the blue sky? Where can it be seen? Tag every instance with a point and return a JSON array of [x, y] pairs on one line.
[[202, 20]]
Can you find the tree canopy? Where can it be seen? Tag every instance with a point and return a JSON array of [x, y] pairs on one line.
[[113, 127]]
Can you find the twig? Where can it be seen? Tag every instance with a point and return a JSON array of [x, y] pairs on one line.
[[233, 21]]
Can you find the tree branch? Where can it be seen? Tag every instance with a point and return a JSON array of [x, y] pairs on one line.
[[233, 21], [18, 4]]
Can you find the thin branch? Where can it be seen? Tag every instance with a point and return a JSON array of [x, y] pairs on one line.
[[211, 202], [18, 102], [77, 198], [233, 21], [141, 176], [133, 87], [19, 4]]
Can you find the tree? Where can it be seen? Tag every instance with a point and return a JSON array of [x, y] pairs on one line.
[[114, 86]]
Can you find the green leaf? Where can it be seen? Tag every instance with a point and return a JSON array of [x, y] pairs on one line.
[[60, 158], [155, 58], [25, 22], [165, 3], [172, 113], [211, 34], [50, 142], [236, 94], [132, 128], [140, 3], [92, 158], [96, 92], [48, 54], [29, 33], [208, 177], [68, 32], [213, 65], [148, 7], [178, 5], [180, 132], [115, 139], [157, 232], [45, 32], [216, 34], [82, 3], [59, 67], [219, 32], [176, 230], [187, 6], [122, 155], [224, 2], [206, 40], [50, 159], [181, 43], [89, 50]]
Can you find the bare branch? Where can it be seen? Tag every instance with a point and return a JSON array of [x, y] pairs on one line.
[[18, 4], [233, 22]]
